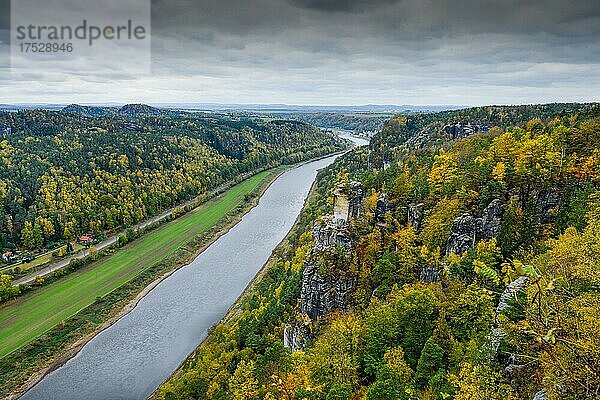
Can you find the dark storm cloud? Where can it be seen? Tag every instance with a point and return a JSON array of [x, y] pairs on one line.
[[471, 16], [380, 51], [4, 20], [340, 5], [577, 17], [4, 37], [423, 32]]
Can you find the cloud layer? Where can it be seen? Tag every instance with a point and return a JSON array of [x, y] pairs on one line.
[[349, 52]]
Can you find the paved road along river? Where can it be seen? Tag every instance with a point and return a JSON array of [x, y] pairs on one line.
[[134, 356]]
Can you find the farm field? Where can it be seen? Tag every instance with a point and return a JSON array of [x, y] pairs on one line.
[[34, 313]]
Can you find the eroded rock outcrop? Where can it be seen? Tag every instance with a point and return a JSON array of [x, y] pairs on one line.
[[488, 226], [415, 215], [323, 293], [326, 281], [541, 395], [348, 201], [511, 293], [329, 234], [456, 131], [381, 209], [296, 335], [462, 235], [419, 140], [461, 130], [323, 289], [429, 275], [466, 230]]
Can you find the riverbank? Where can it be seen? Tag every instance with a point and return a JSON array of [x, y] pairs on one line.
[[112, 240], [113, 307], [235, 311], [51, 350]]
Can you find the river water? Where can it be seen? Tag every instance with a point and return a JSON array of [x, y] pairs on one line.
[[134, 356]]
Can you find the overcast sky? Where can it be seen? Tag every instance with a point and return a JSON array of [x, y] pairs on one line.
[[462, 52]]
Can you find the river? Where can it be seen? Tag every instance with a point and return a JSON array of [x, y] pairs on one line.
[[130, 359]]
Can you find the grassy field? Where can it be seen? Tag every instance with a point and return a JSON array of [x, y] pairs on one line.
[[34, 313]]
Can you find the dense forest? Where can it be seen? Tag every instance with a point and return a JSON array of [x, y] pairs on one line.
[[468, 268], [357, 122], [88, 169]]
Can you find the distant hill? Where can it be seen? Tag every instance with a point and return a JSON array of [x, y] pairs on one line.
[[86, 110], [137, 110], [291, 108], [359, 122]]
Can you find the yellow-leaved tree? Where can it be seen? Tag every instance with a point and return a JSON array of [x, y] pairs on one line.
[[563, 313]]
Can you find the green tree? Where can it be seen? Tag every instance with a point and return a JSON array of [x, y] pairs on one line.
[[243, 384], [334, 360], [437, 224], [31, 236], [431, 360], [563, 313], [7, 290]]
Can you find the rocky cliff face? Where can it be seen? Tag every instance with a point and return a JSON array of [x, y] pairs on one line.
[[323, 289], [381, 209], [509, 294], [462, 234], [348, 201], [415, 215], [466, 230], [325, 281], [456, 131], [462, 129], [330, 234], [295, 335], [322, 294], [429, 275]]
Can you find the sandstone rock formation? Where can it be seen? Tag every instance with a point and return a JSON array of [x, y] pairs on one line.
[[348, 201], [461, 130], [511, 292], [488, 226], [429, 275], [295, 335], [326, 282], [496, 335], [323, 293], [419, 140], [381, 209], [415, 215], [466, 230], [463, 235], [330, 234]]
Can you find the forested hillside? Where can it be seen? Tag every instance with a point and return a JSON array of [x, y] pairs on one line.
[[459, 263], [86, 169], [358, 122]]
